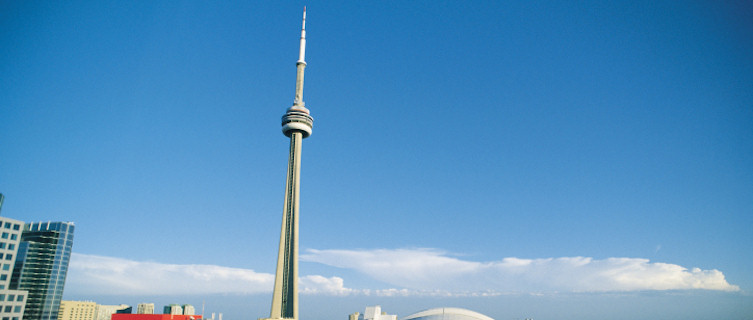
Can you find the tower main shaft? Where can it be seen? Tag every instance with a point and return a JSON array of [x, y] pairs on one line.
[[296, 124]]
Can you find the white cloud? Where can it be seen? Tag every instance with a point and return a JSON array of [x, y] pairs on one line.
[[92, 275], [322, 285], [412, 272], [433, 272]]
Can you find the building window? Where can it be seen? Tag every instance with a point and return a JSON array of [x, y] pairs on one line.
[[17, 309], [2, 297], [7, 225], [3, 277], [2, 245], [11, 297], [14, 236], [8, 309], [6, 267], [8, 257], [16, 227], [11, 246], [20, 298], [4, 235]]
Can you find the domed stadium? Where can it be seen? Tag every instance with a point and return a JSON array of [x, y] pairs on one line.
[[447, 314]]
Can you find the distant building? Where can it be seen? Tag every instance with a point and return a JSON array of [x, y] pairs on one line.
[[104, 312], [125, 310], [372, 313], [77, 310], [12, 301], [188, 310], [41, 266], [154, 317], [212, 318], [145, 308], [447, 314], [174, 309]]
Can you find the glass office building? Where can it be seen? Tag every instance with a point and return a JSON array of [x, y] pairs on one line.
[[41, 267]]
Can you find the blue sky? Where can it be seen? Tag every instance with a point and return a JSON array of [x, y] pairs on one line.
[[524, 159]]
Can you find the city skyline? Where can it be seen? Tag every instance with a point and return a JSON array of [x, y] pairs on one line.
[[544, 160]]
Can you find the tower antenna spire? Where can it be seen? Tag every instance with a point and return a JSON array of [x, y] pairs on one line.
[[301, 64], [302, 52]]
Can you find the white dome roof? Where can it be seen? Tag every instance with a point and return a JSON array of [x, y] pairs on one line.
[[447, 314]]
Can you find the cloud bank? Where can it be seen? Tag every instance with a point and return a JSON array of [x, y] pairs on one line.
[[98, 275], [412, 272], [430, 270]]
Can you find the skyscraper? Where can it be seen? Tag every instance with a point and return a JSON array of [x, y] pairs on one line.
[[41, 267], [296, 124]]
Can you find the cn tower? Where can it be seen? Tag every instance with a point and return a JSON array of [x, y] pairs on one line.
[[296, 124]]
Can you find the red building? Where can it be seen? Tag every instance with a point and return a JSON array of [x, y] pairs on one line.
[[128, 316]]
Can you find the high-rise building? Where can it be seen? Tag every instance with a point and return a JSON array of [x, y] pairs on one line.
[[77, 310], [12, 301], [145, 308], [41, 267], [296, 124]]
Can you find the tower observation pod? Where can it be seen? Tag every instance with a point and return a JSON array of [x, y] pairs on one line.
[[296, 125]]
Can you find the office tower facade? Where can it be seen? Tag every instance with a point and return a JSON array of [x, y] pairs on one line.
[[12, 301], [41, 267], [145, 308], [296, 125], [77, 310]]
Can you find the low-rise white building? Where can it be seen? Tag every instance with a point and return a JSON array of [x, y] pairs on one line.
[[373, 313], [105, 312]]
